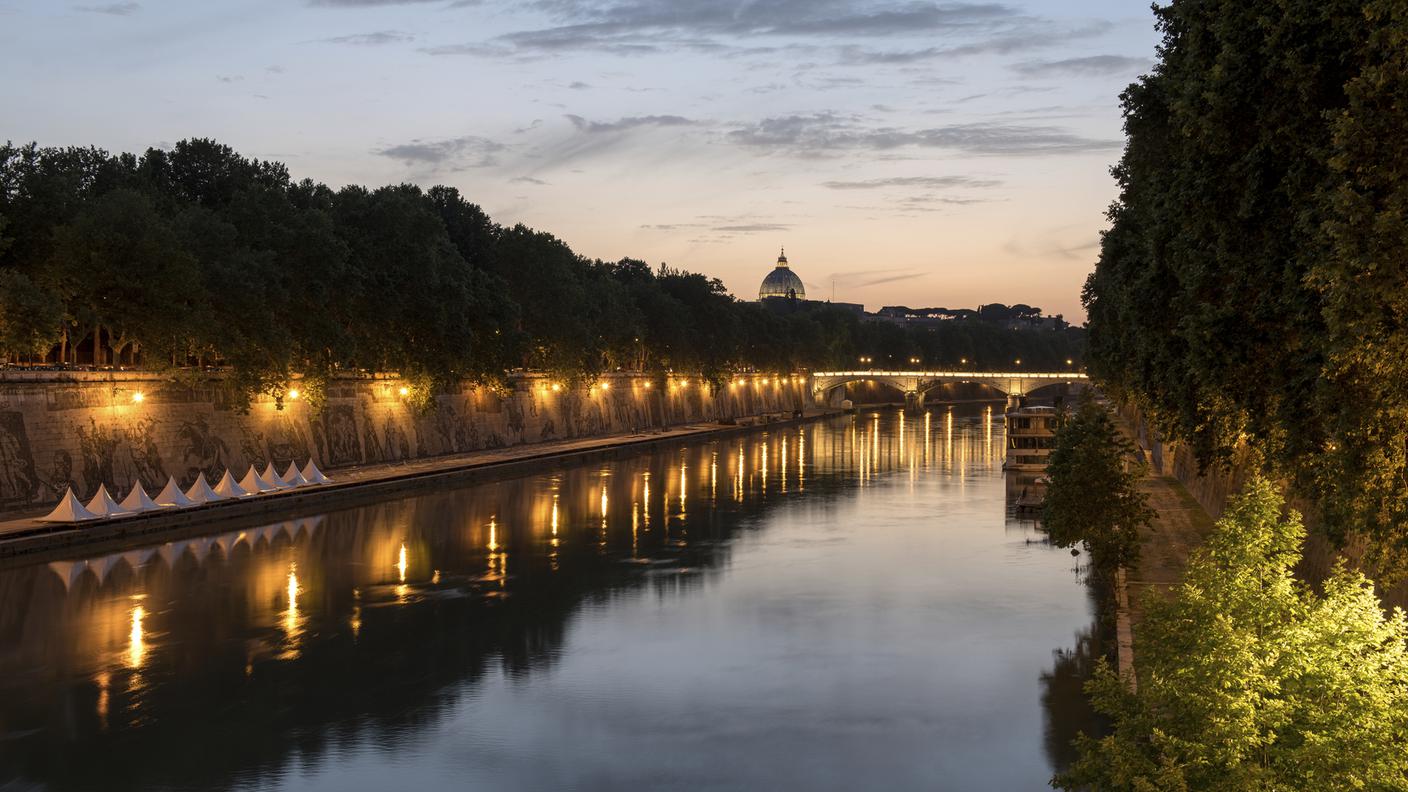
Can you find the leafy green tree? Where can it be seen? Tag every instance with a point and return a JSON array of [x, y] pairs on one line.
[[120, 268], [1094, 498], [1250, 680], [29, 316], [1361, 476]]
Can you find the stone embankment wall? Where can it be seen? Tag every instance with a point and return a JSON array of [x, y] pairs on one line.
[[1213, 488], [82, 429]]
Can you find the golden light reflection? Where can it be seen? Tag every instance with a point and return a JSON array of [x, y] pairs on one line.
[[104, 683], [402, 565], [683, 488], [645, 500], [292, 621], [498, 562], [739, 489], [136, 641], [602, 542], [801, 459], [927, 438], [783, 464], [764, 468], [948, 438], [355, 622], [714, 477]]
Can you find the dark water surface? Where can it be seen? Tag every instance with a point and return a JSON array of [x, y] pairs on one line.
[[845, 605]]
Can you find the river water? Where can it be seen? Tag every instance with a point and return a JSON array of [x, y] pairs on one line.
[[849, 604]]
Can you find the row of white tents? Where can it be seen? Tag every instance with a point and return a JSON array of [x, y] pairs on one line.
[[102, 505]]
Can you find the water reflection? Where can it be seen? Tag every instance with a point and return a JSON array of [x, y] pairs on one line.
[[322, 641]]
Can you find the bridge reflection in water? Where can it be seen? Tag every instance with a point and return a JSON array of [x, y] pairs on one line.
[[259, 652]]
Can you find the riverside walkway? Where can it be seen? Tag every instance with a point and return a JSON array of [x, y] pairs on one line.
[[26, 534]]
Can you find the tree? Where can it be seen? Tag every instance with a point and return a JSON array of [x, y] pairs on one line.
[[1250, 680], [1094, 499], [121, 268], [29, 316]]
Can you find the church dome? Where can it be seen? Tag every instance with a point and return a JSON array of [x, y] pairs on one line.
[[782, 282]]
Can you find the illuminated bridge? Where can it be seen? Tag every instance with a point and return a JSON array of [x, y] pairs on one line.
[[827, 386]]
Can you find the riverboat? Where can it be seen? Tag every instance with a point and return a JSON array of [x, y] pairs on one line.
[[1031, 434]]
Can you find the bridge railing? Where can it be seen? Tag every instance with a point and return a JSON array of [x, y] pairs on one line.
[[1056, 375]]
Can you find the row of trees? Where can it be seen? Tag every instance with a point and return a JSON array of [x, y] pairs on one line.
[[1253, 284], [199, 255]]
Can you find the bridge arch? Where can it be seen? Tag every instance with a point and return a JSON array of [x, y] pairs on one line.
[[916, 384]]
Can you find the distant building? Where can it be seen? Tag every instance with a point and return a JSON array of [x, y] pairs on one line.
[[782, 282], [782, 291]]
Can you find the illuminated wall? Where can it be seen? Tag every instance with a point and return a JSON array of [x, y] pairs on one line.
[[85, 429]]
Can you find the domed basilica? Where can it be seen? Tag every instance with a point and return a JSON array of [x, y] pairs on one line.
[[782, 282]]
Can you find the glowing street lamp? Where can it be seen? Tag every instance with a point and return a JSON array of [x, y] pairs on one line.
[[293, 393], [404, 391], [138, 397]]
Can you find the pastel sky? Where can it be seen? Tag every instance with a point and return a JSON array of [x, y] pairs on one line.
[[904, 151]]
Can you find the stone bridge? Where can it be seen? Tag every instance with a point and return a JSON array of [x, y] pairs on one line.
[[826, 385]]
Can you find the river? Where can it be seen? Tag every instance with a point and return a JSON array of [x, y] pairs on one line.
[[848, 604]]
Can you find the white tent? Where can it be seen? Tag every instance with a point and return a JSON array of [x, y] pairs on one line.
[[137, 500], [252, 484], [69, 510], [102, 504], [313, 475], [293, 478], [272, 476], [200, 492], [171, 495], [229, 489]]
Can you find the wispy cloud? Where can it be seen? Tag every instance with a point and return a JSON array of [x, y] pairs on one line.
[[628, 123], [821, 133], [467, 151], [375, 39], [925, 182], [366, 3], [111, 9], [528, 180], [752, 228], [858, 279], [1094, 65], [642, 27]]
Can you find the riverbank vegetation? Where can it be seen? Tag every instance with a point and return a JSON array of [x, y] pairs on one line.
[[1247, 679], [1093, 499], [1252, 285], [197, 255]]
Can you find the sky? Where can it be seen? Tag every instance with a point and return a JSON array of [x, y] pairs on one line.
[[905, 152]]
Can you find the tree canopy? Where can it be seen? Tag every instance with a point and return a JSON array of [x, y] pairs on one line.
[[1251, 287], [1250, 680]]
